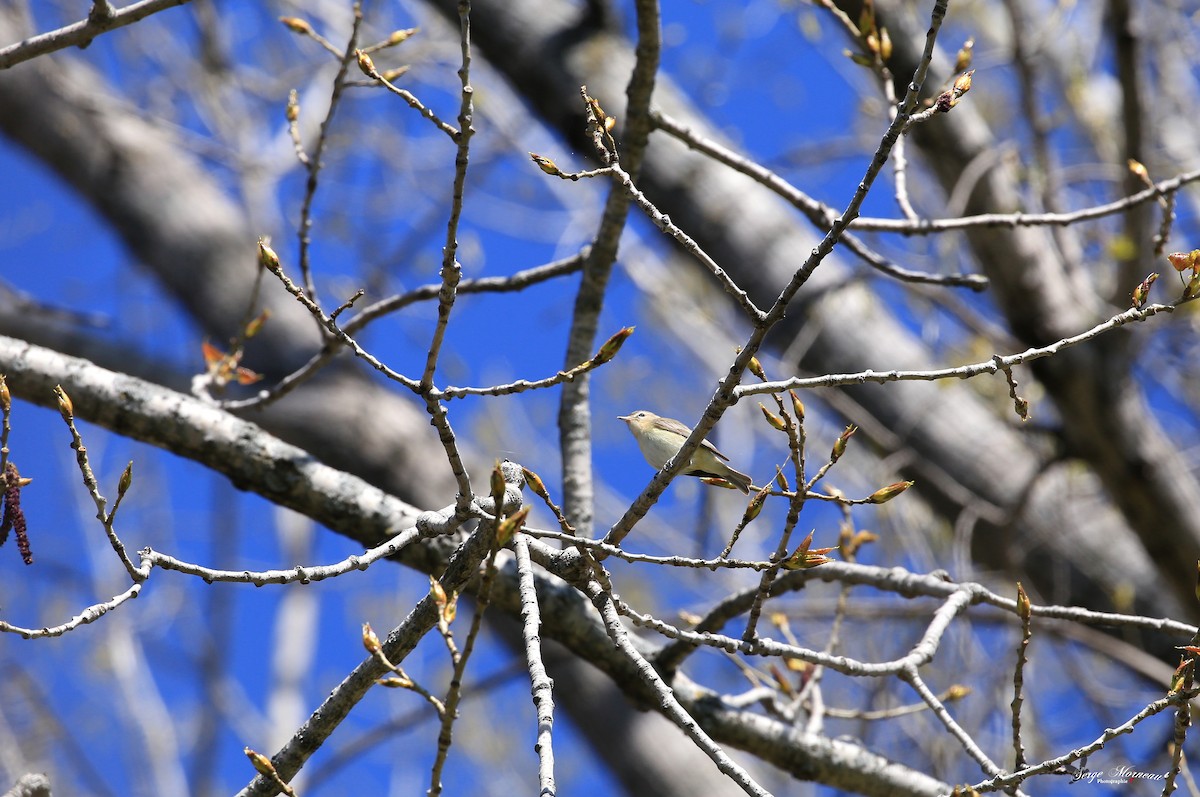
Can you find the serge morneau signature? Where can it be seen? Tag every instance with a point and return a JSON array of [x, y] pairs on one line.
[[1117, 774]]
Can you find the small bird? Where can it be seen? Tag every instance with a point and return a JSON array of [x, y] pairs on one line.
[[661, 438]]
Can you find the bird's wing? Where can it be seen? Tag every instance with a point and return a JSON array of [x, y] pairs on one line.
[[678, 428], [713, 449]]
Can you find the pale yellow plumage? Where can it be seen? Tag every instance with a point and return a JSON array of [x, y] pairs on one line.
[[661, 438]]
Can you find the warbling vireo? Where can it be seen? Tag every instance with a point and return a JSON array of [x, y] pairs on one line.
[[661, 438]]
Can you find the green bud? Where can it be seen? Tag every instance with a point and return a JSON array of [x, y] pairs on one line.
[[366, 64], [297, 25], [885, 494], [756, 504], [126, 479], [771, 417], [839, 446], [962, 61], [65, 407], [797, 406], [1024, 607], [497, 485], [1142, 292], [546, 165], [370, 640], [267, 257], [399, 36], [612, 345], [511, 525], [536, 484]]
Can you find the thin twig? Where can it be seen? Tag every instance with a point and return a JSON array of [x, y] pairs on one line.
[[913, 679], [515, 282], [1021, 219], [1008, 780], [270, 261], [991, 366], [315, 162], [780, 554], [603, 600], [454, 694], [541, 687], [1026, 615], [89, 480], [815, 211], [416, 104], [299, 574], [88, 615], [80, 34], [310, 736]]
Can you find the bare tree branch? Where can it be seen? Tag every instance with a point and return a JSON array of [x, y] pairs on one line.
[[102, 19]]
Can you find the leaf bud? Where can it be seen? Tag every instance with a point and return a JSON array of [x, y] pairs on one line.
[[716, 481], [497, 486], [546, 165], [771, 417], [511, 525], [1142, 292], [781, 680], [859, 58], [65, 407], [366, 64], [297, 25], [962, 61], [957, 692], [963, 83], [267, 257], [885, 494], [613, 345], [126, 480], [398, 36], [839, 445], [260, 762], [756, 504], [370, 640], [438, 592], [256, 324], [797, 406], [396, 682], [1180, 677], [1024, 607], [535, 483]]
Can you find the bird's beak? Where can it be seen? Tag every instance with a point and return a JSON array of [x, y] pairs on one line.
[[625, 418]]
